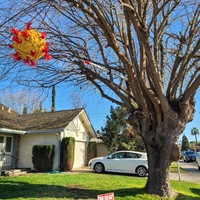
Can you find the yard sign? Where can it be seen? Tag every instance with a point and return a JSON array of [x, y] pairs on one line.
[[109, 196]]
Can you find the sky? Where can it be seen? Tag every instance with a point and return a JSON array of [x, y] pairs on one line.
[[98, 108]]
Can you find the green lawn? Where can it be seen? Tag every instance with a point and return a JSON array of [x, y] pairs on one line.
[[85, 186], [174, 168]]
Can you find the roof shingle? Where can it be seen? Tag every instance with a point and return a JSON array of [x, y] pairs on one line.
[[37, 121]]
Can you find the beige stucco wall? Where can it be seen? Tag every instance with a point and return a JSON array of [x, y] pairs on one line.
[[28, 141], [76, 129], [101, 150]]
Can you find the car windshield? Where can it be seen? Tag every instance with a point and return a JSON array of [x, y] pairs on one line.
[[189, 152]]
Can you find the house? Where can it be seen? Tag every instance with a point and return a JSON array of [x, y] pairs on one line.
[[19, 133]]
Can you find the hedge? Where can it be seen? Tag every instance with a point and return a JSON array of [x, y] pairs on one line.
[[91, 151], [67, 154], [43, 156]]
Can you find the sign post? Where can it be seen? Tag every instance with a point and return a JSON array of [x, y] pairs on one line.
[[179, 174]]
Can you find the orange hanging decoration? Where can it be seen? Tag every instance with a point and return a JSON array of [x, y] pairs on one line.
[[30, 45]]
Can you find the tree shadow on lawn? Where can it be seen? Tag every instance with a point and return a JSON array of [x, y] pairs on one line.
[[185, 197], [14, 190]]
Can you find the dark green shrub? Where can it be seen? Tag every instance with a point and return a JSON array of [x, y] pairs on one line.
[[91, 150], [67, 154], [43, 156]]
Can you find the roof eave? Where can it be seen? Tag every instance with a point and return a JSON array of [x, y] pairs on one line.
[[45, 131], [12, 131], [89, 124]]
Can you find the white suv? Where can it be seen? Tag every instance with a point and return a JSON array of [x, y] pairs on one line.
[[198, 160]]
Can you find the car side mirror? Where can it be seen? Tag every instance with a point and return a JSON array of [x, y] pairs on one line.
[[110, 157]]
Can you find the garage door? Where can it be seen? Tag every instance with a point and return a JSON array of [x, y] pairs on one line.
[[80, 154]]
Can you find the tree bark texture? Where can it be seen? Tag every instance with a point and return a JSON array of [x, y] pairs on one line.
[[162, 149], [159, 164]]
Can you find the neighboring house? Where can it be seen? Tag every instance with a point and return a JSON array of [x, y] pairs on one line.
[[101, 148], [19, 133]]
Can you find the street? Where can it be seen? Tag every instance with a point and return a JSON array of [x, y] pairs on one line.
[[193, 174], [190, 167]]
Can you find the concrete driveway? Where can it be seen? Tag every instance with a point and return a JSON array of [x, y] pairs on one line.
[[192, 175]]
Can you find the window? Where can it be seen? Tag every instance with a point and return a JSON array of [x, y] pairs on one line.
[[189, 152], [1, 143], [1, 140], [133, 155], [118, 155], [8, 144]]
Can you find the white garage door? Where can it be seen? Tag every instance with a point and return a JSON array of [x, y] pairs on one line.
[[80, 154]]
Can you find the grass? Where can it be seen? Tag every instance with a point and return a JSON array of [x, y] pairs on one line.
[[73, 186], [174, 168]]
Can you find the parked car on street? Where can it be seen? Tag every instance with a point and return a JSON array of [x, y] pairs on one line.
[[121, 162], [189, 156], [198, 160], [182, 154]]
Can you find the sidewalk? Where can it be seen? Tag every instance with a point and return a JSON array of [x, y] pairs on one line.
[[183, 177]]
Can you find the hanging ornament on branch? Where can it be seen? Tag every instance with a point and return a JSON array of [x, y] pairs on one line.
[[29, 45], [88, 62]]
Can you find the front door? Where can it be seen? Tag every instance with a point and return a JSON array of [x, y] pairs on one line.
[[6, 143]]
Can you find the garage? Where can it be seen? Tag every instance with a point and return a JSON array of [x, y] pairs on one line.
[[80, 157]]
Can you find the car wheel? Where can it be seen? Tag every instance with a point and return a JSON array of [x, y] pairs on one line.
[[99, 168], [141, 171]]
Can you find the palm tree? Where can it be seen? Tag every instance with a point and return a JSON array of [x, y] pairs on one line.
[[195, 132]]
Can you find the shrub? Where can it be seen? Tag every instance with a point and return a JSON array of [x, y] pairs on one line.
[[91, 150], [67, 154], [43, 156]]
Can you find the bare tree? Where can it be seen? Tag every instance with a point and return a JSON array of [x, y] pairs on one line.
[[140, 54], [77, 101], [21, 99]]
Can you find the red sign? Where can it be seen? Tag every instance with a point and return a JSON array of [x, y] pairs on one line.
[[109, 196]]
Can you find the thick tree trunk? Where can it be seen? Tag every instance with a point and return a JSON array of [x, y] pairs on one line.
[[159, 161], [160, 141]]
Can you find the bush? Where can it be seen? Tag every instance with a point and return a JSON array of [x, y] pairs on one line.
[[67, 154], [43, 156], [91, 150]]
